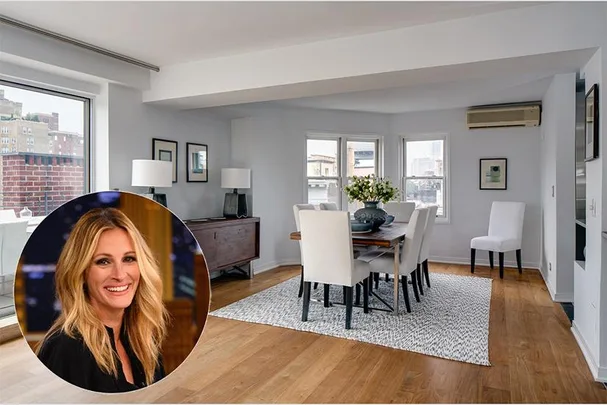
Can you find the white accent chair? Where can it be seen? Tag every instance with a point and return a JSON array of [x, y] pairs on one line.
[[402, 211], [296, 209], [424, 252], [328, 206], [408, 255], [13, 239], [7, 215], [505, 234], [326, 238]]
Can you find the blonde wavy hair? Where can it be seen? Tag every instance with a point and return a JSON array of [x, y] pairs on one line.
[[145, 320]]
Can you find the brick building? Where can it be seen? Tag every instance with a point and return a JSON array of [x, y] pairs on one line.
[[52, 120], [18, 135], [40, 182], [65, 143]]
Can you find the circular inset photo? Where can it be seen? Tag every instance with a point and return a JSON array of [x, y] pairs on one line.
[[112, 291]]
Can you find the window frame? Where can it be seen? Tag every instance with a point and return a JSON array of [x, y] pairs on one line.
[[342, 150], [87, 111], [439, 136]]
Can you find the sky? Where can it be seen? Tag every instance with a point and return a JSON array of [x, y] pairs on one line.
[[71, 112]]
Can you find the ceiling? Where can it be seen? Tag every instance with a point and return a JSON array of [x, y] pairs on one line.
[[165, 33]]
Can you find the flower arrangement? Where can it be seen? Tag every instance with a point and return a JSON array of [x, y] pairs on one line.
[[370, 188]]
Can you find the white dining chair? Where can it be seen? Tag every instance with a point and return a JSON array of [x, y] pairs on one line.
[[424, 251], [402, 210], [7, 215], [505, 234], [328, 206], [407, 257], [296, 209], [13, 241], [326, 238]]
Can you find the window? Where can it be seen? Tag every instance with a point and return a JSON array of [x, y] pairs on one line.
[[70, 174], [424, 170], [330, 159], [5, 130]]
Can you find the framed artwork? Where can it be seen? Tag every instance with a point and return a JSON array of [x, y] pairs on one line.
[[591, 126], [493, 174], [163, 149], [198, 162]]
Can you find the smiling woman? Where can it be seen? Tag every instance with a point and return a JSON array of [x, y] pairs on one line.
[[121, 277]]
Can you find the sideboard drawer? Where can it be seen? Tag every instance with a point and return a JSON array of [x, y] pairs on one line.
[[235, 244]]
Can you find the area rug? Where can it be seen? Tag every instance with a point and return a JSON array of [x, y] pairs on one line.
[[451, 321]]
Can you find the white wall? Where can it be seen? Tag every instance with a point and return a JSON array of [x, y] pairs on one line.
[[558, 174], [469, 206], [132, 125], [271, 141], [590, 323]]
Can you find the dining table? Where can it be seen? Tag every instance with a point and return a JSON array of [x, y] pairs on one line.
[[389, 236]]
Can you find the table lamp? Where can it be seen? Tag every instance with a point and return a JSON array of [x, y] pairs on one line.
[[153, 173], [235, 205]]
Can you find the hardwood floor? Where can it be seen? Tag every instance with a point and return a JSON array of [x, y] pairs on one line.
[[532, 350]]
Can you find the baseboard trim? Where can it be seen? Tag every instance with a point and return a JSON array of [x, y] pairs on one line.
[[260, 268], [481, 262], [599, 374], [556, 296]]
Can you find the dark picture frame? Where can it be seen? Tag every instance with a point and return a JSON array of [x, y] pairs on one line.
[[167, 150], [591, 123], [197, 160], [493, 174]]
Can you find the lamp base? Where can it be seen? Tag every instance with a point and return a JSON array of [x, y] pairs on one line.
[[235, 205], [160, 199]]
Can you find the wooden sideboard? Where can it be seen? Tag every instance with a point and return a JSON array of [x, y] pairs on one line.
[[227, 243]]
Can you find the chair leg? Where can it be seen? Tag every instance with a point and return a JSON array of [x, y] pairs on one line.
[[501, 259], [371, 275], [366, 283], [414, 284], [472, 255], [420, 281], [315, 286], [327, 295], [357, 294], [301, 284], [348, 307], [403, 281], [491, 259], [519, 262], [426, 272], [377, 281], [306, 301], [387, 277]]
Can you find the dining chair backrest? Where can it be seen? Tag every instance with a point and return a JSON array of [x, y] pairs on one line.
[[326, 239], [506, 219], [7, 215], [296, 209], [424, 251], [328, 206], [402, 211], [413, 241], [13, 241]]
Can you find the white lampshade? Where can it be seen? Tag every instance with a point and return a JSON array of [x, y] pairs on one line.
[[235, 178], [152, 173]]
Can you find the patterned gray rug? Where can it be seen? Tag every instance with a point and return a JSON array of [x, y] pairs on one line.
[[451, 321]]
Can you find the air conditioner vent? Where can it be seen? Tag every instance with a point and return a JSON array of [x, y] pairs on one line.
[[507, 116]]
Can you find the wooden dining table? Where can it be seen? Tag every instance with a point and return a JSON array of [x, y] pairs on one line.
[[386, 236]]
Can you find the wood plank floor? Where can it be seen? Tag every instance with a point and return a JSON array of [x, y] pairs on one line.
[[533, 354]]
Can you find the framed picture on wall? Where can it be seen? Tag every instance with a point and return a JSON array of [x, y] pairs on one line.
[[592, 123], [163, 149], [493, 174], [197, 156]]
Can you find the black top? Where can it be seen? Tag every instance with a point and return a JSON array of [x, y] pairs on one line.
[[72, 360]]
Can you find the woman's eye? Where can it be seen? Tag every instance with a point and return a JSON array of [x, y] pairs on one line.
[[102, 262], [130, 259]]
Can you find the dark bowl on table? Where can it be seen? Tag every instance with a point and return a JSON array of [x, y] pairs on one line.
[[360, 226], [389, 219]]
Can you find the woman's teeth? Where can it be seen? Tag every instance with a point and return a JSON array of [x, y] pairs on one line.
[[117, 289]]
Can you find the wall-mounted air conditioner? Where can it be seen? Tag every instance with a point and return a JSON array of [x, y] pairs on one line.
[[527, 115]]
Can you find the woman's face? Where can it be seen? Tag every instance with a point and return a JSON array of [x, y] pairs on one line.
[[113, 276]]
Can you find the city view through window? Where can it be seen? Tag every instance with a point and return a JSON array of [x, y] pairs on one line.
[[42, 164], [424, 173]]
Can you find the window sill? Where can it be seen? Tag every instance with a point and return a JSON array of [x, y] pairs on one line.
[[442, 221]]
